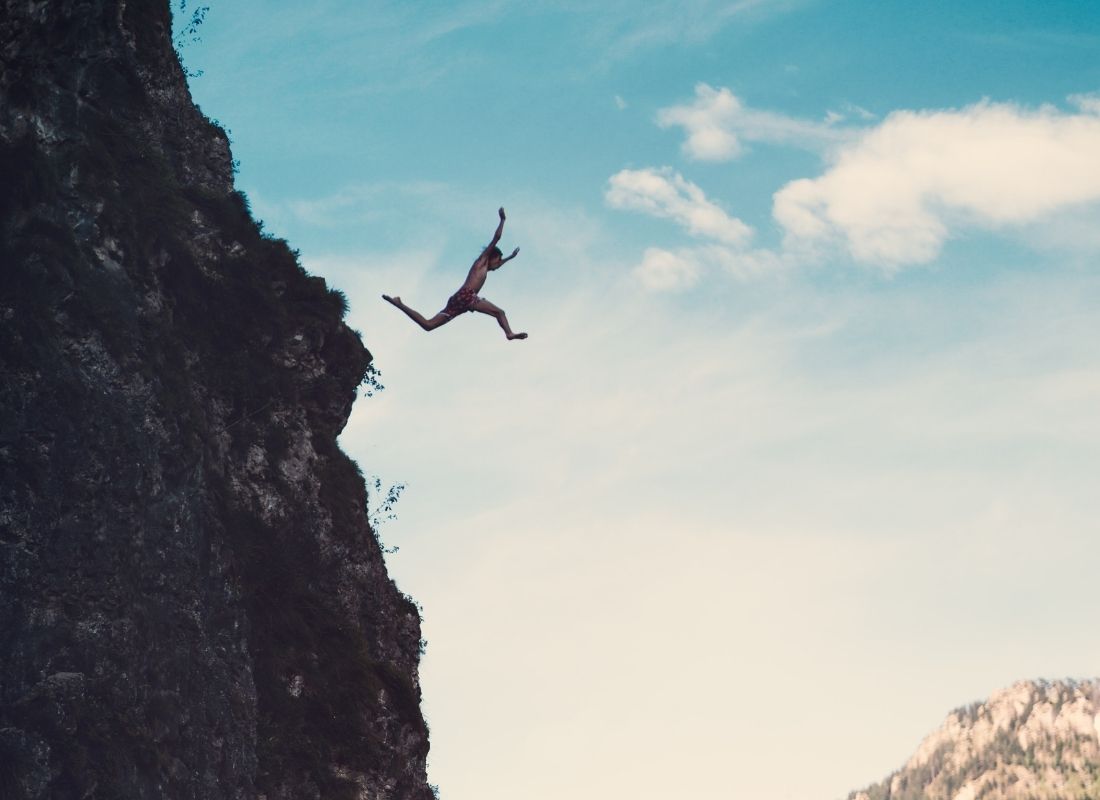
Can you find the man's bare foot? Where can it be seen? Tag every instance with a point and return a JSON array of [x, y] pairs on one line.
[[517, 336], [395, 300]]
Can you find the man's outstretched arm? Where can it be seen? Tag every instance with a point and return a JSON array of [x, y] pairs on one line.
[[509, 258], [499, 230]]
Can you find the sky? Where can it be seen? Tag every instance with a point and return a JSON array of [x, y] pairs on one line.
[[802, 450]]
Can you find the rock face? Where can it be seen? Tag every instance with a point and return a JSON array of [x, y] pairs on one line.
[[1036, 740], [192, 603]]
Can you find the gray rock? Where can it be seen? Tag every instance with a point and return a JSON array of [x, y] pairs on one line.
[[192, 602]]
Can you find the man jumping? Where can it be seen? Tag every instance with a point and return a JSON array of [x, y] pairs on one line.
[[466, 299]]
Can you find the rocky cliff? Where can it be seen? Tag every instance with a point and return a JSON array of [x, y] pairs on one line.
[[192, 603], [1036, 740]]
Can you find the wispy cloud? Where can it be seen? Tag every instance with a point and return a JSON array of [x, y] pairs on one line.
[[717, 122], [665, 193], [621, 29], [364, 202], [662, 270], [395, 47], [601, 34], [1086, 103]]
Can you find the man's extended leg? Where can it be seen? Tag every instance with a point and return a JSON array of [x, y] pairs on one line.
[[417, 317], [485, 307]]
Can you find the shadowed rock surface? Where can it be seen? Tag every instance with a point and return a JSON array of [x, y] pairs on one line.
[[192, 603], [1036, 740]]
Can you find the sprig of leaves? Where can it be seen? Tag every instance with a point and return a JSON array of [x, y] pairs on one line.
[[189, 35]]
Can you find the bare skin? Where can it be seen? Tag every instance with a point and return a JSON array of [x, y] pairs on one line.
[[490, 260]]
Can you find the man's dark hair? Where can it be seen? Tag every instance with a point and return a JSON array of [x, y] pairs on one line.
[[495, 251]]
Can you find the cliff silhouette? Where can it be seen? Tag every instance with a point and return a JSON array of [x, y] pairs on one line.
[[192, 602]]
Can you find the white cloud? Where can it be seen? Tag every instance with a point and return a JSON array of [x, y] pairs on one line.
[[746, 264], [848, 111], [1087, 103], [893, 193], [707, 122], [671, 271], [357, 203], [717, 122], [662, 271], [665, 193], [894, 196], [852, 110]]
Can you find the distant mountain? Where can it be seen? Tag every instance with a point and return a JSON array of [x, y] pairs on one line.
[[1036, 740]]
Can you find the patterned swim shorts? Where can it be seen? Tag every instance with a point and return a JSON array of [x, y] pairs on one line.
[[460, 301]]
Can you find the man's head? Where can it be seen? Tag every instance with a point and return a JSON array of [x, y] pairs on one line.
[[495, 257]]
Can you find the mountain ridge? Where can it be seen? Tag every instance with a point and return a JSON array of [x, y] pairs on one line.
[[1037, 739]]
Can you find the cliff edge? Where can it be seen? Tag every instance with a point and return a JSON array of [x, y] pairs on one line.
[[192, 603]]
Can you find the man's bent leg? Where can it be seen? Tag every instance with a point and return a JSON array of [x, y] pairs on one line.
[[485, 307]]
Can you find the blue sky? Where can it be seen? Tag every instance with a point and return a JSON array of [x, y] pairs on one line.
[[801, 451]]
